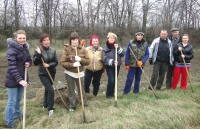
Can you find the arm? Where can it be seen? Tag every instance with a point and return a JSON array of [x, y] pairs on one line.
[[151, 48], [146, 54], [86, 59], [64, 63], [120, 51], [106, 60], [176, 52], [37, 58], [190, 55], [127, 54], [54, 63]]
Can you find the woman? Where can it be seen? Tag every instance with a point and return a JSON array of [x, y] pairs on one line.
[[70, 61], [180, 69], [95, 68], [18, 58], [48, 54], [109, 62]]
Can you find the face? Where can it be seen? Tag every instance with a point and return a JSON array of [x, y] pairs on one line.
[[46, 42], [139, 37], [21, 38], [75, 42], [163, 35], [111, 39], [95, 42], [185, 39], [175, 34]]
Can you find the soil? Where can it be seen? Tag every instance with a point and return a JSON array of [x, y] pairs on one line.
[[35, 83]]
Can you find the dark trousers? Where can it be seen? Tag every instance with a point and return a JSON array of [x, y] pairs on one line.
[[111, 80], [95, 81], [169, 76], [134, 72], [159, 70], [49, 91]]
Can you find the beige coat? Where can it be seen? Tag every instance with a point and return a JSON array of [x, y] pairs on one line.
[[96, 61], [68, 58]]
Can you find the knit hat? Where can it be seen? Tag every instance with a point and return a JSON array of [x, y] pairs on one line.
[[93, 36], [174, 29], [139, 32], [73, 35]]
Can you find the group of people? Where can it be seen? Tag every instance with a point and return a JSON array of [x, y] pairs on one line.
[[88, 64]]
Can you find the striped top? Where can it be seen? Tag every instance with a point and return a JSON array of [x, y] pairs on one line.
[[181, 65]]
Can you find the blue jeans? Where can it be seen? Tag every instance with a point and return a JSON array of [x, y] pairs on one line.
[[111, 80], [133, 72], [13, 105]]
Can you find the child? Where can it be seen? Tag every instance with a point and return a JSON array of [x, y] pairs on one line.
[[70, 61], [109, 62]]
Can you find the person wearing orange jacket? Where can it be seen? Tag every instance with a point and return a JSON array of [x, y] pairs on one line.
[[140, 49]]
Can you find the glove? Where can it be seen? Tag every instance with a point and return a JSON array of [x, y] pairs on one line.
[[127, 67], [82, 42], [78, 58], [139, 63], [76, 64], [150, 61]]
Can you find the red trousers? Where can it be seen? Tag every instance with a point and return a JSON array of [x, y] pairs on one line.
[[177, 72]]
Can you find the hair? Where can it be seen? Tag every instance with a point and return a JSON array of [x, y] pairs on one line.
[[185, 35], [43, 36], [19, 32], [110, 34], [164, 30], [73, 35]]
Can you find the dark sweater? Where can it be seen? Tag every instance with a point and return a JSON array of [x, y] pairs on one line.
[[163, 51]]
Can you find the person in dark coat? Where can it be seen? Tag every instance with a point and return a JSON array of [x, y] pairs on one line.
[[180, 69], [108, 54], [18, 58], [50, 62]]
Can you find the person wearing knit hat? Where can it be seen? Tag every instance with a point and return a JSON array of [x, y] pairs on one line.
[[175, 39], [95, 69], [140, 48], [70, 61], [109, 61]]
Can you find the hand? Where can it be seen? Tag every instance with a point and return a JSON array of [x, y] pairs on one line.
[[150, 61], [183, 56], [27, 64], [38, 50], [78, 58], [116, 45], [115, 62], [127, 67], [139, 63], [76, 64], [82, 42], [45, 65], [23, 83], [179, 48], [103, 70]]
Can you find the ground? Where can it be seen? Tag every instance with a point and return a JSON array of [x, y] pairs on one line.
[[35, 83]]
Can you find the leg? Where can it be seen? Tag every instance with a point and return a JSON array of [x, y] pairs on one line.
[[176, 76], [50, 95], [162, 71], [129, 80], [71, 92], [154, 76], [184, 78], [20, 91], [137, 80], [111, 81], [96, 81], [9, 113], [83, 91], [87, 80], [45, 104], [169, 76]]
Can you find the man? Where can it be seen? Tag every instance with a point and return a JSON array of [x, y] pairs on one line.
[[160, 55], [140, 48], [175, 39]]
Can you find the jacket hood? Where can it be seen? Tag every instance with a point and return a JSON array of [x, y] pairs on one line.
[[13, 43]]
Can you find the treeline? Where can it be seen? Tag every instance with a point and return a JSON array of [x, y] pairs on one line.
[[123, 17]]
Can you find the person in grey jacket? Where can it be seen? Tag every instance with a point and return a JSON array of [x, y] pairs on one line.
[[160, 55], [50, 62], [109, 61]]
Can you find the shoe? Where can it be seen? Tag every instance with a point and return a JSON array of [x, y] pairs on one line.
[[50, 113], [10, 127], [19, 118], [72, 109]]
